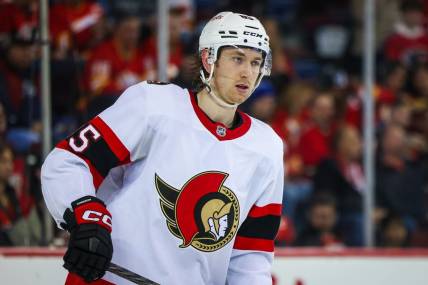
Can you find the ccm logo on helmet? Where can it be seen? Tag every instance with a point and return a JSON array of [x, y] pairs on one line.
[[94, 216], [246, 17], [253, 34]]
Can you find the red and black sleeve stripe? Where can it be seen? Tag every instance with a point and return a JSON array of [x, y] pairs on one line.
[[259, 229], [103, 150]]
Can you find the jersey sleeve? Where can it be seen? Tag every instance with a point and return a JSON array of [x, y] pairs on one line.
[[80, 163], [252, 254]]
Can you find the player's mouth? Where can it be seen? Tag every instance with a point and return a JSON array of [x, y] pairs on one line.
[[242, 88]]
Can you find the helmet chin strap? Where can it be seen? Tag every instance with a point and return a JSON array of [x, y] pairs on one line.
[[219, 101]]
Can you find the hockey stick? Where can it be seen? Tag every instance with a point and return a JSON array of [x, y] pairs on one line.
[[129, 275]]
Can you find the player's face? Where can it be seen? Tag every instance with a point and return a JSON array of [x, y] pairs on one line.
[[235, 73], [222, 226]]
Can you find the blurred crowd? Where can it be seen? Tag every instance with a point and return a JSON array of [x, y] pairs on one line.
[[313, 100]]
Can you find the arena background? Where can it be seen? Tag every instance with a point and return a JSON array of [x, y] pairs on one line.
[[348, 95]]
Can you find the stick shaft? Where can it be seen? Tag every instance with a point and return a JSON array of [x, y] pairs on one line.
[[129, 275]]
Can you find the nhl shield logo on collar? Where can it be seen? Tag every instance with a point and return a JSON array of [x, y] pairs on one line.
[[221, 131]]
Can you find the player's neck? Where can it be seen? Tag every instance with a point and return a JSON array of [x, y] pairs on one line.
[[215, 112]]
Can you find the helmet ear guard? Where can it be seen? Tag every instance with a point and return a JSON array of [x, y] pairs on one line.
[[212, 57]]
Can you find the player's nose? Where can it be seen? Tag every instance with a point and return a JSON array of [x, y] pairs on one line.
[[245, 70]]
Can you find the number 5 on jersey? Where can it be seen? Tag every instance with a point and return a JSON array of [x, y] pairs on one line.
[[98, 146], [87, 134]]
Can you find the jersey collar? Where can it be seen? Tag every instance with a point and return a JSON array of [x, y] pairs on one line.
[[219, 130]]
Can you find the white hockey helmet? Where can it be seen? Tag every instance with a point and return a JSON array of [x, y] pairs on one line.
[[233, 29]]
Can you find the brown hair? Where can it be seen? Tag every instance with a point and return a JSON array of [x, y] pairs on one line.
[[197, 66]]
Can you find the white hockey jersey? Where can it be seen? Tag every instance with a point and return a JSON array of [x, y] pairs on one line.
[[192, 201]]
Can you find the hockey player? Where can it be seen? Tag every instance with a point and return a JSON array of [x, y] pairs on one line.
[[177, 186]]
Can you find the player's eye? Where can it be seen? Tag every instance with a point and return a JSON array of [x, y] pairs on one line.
[[256, 63], [237, 59]]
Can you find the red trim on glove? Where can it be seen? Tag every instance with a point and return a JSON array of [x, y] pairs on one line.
[[74, 279]]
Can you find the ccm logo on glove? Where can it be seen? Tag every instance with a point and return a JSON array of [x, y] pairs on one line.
[[95, 216], [93, 212]]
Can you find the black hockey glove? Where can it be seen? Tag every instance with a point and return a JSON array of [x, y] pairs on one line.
[[90, 248]]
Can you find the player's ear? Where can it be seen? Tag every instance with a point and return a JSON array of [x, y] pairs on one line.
[[204, 59]]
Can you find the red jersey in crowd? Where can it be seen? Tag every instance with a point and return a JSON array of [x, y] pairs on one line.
[[18, 201], [71, 24], [20, 182], [315, 144], [175, 59], [107, 72], [289, 128], [354, 104], [16, 19], [406, 43]]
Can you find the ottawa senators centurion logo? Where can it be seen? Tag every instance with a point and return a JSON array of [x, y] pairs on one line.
[[203, 213]]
